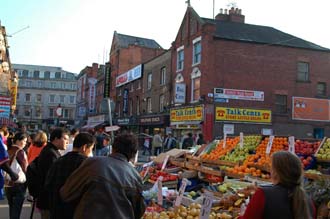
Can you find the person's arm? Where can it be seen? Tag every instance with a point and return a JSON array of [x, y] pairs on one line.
[[255, 208]]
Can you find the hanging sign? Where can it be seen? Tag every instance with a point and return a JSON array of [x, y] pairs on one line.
[[291, 145], [270, 144]]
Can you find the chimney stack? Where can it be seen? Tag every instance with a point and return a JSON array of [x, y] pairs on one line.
[[233, 15]]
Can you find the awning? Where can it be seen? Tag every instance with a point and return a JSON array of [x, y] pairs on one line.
[[91, 125], [7, 122]]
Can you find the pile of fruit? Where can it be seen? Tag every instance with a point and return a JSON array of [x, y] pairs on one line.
[[324, 152], [221, 150]]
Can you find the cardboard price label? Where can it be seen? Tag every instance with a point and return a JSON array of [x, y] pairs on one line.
[[291, 145], [183, 186], [160, 191], [270, 144], [165, 162], [206, 206], [241, 139], [224, 140]]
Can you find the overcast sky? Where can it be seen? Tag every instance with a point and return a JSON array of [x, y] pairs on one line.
[[73, 34]]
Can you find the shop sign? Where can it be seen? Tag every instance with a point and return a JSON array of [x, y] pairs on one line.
[[187, 114], [180, 93], [187, 126], [238, 94], [151, 120], [107, 82], [243, 115], [131, 75], [124, 121], [310, 109], [92, 93]]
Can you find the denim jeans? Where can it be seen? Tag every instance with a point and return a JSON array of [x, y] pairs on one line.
[[102, 152], [15, 196]]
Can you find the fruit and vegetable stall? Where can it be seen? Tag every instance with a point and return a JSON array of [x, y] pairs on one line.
[[217, 180]]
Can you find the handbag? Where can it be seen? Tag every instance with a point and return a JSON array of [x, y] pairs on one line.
[[16, 167]]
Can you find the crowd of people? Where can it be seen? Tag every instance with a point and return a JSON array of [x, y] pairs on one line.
[[77, 184]]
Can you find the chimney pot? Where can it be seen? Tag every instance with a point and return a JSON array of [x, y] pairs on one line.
[[236, 10], [225, 11], [221, 11], [239, 11]]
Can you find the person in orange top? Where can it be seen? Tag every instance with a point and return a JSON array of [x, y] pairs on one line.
[[38, 143]]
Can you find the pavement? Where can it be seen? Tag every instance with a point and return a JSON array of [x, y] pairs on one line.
[[25, 214]]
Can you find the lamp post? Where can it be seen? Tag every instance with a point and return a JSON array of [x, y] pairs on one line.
[[31, 110]]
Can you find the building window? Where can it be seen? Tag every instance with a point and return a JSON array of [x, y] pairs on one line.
[[52, 75], [47, 74], [25, 73], [62, 98], [161, 103], [52, 85], [196, 85], [38, 112], [197, 52], [57, 74], [149, 109], [163, 76], [119, 110], [52, 98], [131, 87], [180, 59], [40, 84], [51, 112], [281, 103], [137, 106], [149, 81], [38, 97], [321, 89], [28, 83], [66, 113], [27, 97], [36, 74], [27, 112], [303, 71], [72, 99]]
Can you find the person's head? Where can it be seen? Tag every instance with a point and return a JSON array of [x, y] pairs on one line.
[[287, 170], [106, 141], [84, 143], [5, 131], [19, 140], [40, 139], [200, 135], [189, 135], [125, 144], [60, 138]]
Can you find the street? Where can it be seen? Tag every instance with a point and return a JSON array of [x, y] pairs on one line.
[[4, 210]]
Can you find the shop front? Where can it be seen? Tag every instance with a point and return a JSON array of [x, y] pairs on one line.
[[127, 124], [151, 123], [188, 119]]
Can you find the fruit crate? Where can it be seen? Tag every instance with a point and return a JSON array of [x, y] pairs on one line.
[[323, 152], [179, 162], [220, 162]]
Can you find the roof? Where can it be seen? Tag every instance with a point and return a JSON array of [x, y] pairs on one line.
[[126, 40], [259, 34]]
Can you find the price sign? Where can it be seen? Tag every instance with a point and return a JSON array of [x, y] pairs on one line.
[[155, 186], [270, 144], [206, 206], [160, 191], [291, 144], [241, 139], [224, 140], [148, 164], [183, 186], [165, 162]]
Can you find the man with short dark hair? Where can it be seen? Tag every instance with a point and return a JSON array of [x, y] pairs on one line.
[[107, 187], [62, 168], [59, 139]]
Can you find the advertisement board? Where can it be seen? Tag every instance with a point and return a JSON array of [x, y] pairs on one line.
[[223, 93], [131, 75], [180, 93], [314, 109], [5, 106], [243, 115], [187, 114]]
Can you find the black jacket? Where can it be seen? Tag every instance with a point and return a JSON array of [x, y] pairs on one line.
[[47, 157]]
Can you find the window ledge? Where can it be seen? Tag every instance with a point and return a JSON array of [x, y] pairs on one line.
[[195, 64], [321, 96]]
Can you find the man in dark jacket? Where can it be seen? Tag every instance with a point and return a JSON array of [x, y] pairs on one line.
[[62, 168], [59, 139], [107, 187]]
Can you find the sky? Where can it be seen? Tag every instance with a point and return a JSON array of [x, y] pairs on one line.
[[73, 34]]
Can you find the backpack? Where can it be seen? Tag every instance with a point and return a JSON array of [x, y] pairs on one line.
[[33, 179]]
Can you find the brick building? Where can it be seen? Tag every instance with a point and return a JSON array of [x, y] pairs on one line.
[[127, 55], [254, 79]]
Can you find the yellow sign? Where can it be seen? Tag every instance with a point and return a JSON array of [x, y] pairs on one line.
[[243, 115], [187, 114]]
